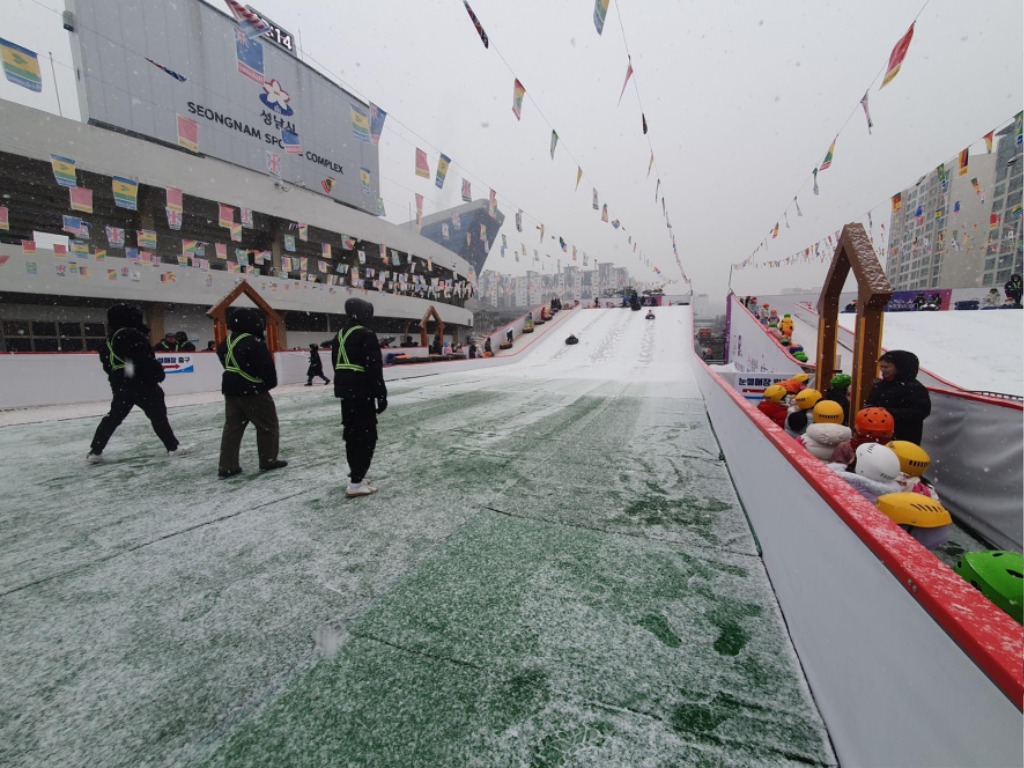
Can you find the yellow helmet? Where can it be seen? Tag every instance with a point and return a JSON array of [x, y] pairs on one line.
[[775, 393], [827, 412], [801, 378], [914, 460], [806, 398], [913, 509]]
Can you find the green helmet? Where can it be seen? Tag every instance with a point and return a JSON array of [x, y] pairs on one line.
[[999, 576], [840, 381]]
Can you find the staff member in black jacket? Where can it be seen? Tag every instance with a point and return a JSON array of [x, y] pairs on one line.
[[135, 375], [359, 382], [249, 375], [901, 394]]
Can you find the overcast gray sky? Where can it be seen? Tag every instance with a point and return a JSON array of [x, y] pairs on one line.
[[742, 100]]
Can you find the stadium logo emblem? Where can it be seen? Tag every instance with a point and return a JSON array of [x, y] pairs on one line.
[[276, 98]]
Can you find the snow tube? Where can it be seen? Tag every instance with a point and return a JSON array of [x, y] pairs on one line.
[[505, 345], [528, 330], [572, 340]]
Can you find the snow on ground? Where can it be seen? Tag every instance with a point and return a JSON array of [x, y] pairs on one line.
[[978, 351], [556, 571]]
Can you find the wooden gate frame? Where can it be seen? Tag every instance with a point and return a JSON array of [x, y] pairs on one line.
[[219, 313], [873, 292], [431, 312]]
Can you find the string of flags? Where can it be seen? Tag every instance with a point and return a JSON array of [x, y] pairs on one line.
[[959, 236], [895, 62]]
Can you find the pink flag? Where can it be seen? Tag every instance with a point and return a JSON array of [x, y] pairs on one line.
[[419, 210], [466, 194], [629, 74], [81, 199], [896, 57], [174, 199], [422, 168], [188, 133]]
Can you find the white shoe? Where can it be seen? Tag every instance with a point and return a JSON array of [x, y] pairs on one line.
[[95, 458], [360, 489], [183, 449]]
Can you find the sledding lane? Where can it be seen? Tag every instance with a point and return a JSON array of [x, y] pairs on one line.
[[555, 571]]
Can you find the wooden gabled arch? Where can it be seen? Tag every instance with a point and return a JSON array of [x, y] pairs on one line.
[[431, 312], [219, 313], [873, 292]]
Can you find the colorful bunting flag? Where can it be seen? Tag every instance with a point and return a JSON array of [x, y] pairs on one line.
[[1018, 127], [236, 232], [291, 141], [519, 220], [814, 173], [596, 204], [775, 231], [964, 159], [600, 12], [81, 199], [146, 238], [63, 170], [419, 210], [650, 164], [656, 188], [126, 192], [989, 138], [422, 167], [896, 57], [303, 232], [174, 199], [249, 55], [643, 118], [115, 237], [248, 22], [289, 243], [188, 133], [554, 143], [477, 24], [442, 170], [897, 202], [20, 65], [518, 92], [827, 162], [171, 72], [604, 212], [360, 122], [225, 215], [377, 118], [466, 194], [867, 113], [28, 247], [579, 175], [327, 184], [797, 204], [273, 163], [629, 74], [364, 179]]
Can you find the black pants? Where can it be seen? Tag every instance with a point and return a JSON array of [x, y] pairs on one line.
[[359, 431], [239, 410], [316, 372], [151, 401]]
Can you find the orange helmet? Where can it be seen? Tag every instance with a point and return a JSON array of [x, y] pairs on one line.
[[874, 422]]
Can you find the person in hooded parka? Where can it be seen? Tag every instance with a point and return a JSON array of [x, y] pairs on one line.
[[249, 375], [359, 384], [134, 374], [901, 394]]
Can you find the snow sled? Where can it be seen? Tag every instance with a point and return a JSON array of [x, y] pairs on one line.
[[572, 340], [505, 345], [528, 328]]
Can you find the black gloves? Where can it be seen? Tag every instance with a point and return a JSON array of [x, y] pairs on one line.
[[382, 404]]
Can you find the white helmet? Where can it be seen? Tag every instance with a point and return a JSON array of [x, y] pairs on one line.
[[878, 463]]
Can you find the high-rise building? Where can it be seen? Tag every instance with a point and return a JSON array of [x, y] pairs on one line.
[[960, 231]]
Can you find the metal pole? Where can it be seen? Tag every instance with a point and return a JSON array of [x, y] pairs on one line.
[[56, 91]]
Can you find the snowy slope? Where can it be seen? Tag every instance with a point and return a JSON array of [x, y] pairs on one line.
[[555, 571]]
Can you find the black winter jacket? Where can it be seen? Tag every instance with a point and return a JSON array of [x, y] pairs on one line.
[[133, 364], [904, 397], [252, 357], [362, 349]]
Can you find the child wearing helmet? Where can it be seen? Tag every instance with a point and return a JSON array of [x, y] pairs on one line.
[[772, 406], [914, 462], [925, 520], [827, 430], [838, 390], [873, 472], [871, 425], [794, 384], [800, 411]]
